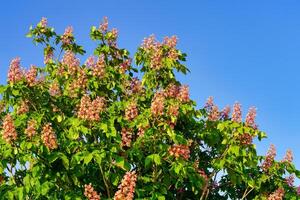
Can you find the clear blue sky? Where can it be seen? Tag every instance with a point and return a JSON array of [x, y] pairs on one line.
[[237, 50]]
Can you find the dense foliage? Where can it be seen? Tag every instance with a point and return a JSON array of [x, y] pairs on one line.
[[110, 129]]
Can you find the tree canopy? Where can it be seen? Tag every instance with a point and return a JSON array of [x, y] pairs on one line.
[[122, 128]]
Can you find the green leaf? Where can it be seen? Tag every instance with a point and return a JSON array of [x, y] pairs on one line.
[[88, 157], [45, 188], [59, 118]]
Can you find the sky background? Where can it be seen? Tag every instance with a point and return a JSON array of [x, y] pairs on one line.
[[246, 51]]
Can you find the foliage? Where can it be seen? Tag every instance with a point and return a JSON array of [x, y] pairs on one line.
[[95, 130]]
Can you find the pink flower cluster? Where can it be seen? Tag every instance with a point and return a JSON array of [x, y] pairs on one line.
[[127, 187], [126, 137], [104, 25], [250, 118], [269, 158], [49, 137], [9, 131], [157, 105], [179, 92], [288, 156], [67, 37], [135, 85], [149, 43], [290, 180], [209, 104], [99, 68], [173, 110], [180, 150], [15, 73], [225, 112], [79, 83], [90, 110], [90, 193], [141, 130], [31, 76], [131, 111], [172, 91], [237, 113], [214, 114], [54, 89], [124, 66], [171, 42], [44, 22], [112, 41], [246, 139], [277, 195], [31, 128], [184, 95], [90, 61], [156, 51], [71, 62]]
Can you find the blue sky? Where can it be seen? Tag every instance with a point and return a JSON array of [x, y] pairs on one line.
[[237, 50]]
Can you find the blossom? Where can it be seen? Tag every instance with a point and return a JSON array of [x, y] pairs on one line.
[[172, 91], [54, 89], [71, 62], [90, 192], [79, 83], [90, 110], [156, 58], [127, 187], [180, 150], [104, 25], [288, 156], [49, 137], [67, 37], [214, 114], [141, 131], [15, 73], [99, 68], [290, 180], [269, 158], [90, 61], [131, 111], [44, 22], [209, 104], [9, 133], [246, 139], [126, 137], [173, 110], [135, 85], [225, 112], [31, 128], [157, 104], [149, 43], [277, 195], [124, 66], [237, 113], [250, 118], [184, 95], [170, 41], [113, 38], [31, 75]]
